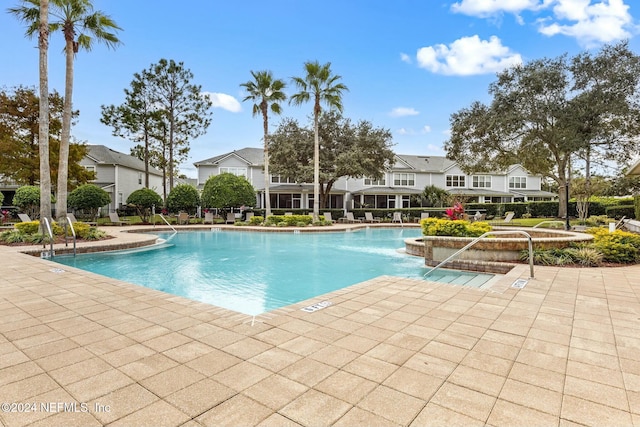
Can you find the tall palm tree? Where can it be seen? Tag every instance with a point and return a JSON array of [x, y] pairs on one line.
[[324, 87], [266, 93], [73, 18], [43, 119]]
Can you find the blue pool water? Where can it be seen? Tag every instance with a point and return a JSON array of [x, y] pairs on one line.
[[253, 272]]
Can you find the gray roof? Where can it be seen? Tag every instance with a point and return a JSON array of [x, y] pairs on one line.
[[534, 193], [478, 192], [253, 157], [105, 155], [423, 163], [388, 190]]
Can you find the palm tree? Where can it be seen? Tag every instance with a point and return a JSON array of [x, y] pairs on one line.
[[320, 84], [73, 18], [43, 119], [266, 93]]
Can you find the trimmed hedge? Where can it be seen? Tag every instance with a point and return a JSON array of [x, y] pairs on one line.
[[618, 212], [455, 228], [289, 220]]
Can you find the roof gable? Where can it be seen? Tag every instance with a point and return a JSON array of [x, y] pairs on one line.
[[102, 154], [248, 155]]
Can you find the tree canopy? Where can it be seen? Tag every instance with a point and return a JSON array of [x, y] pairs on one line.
[[227, 191], [547, 112], [19, 138], [183, 197], [346, 150], [89, 198]]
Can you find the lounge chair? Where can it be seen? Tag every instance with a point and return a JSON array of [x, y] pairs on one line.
[[208, 217], [397, 217], [368, 217], [248, 216], [349, 218], [424, 215], [508, 216], [24, 217], [231, 218], [288, 213], [115, 219], [73, 219], [327, 218], [183, 218]]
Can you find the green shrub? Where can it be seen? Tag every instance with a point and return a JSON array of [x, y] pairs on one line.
[[12, 236], [30, 227], [88, 198], [636, 206], [143, 200], [620, 211], [586, 256], [256, 220], [183, 197], [95, 234], [289, 220], [619, 246], [455, 228], [227, 191], [548, 257], [27, 198], [82, 229]]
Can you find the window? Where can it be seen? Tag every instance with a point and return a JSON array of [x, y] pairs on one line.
[[371, 181], [235, 171], [404, 179], [481, 181], [455, 180], [518, 182], [90, 168], [278, 179]]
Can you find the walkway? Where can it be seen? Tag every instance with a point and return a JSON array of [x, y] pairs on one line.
[[85, 350]]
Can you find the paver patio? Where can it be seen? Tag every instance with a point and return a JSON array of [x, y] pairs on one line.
[[79, 349]]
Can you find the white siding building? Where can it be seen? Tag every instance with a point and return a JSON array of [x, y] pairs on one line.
[[119, 174], [398, 188]]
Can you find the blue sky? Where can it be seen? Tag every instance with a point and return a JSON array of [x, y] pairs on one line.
[[408, 64]]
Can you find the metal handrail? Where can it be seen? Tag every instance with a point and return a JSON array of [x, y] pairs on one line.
[[476, 240], [165, 220], [46, 221], [73, 232], [548, 222]]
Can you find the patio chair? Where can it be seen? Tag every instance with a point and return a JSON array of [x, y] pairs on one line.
[[351, 219], [115, 219], [508, 216], [397, 217], [231, 218], [24, 217], [73, 219], [288, 213], [424, 215], [208, 217], [368, 217], [327, 218], [183, 218], [248, 216]]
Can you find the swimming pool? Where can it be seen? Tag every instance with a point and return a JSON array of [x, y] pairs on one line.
[[253, 272]]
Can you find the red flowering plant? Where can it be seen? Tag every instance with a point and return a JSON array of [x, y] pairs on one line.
[[456, 212]]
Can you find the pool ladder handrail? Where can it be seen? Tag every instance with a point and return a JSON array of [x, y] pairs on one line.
[[48, 229], [555, 221], [479, 238], [165, 220], [73, 232]]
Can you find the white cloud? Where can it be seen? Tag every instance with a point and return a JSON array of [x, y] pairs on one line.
[[432, 148], [402, 131], [426, 129], [403, 111], [405, 58], [486, 8], [468, 56], [590, 24], [224, 101]]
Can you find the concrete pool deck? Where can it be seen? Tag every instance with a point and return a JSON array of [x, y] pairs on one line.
[[79, 349]]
